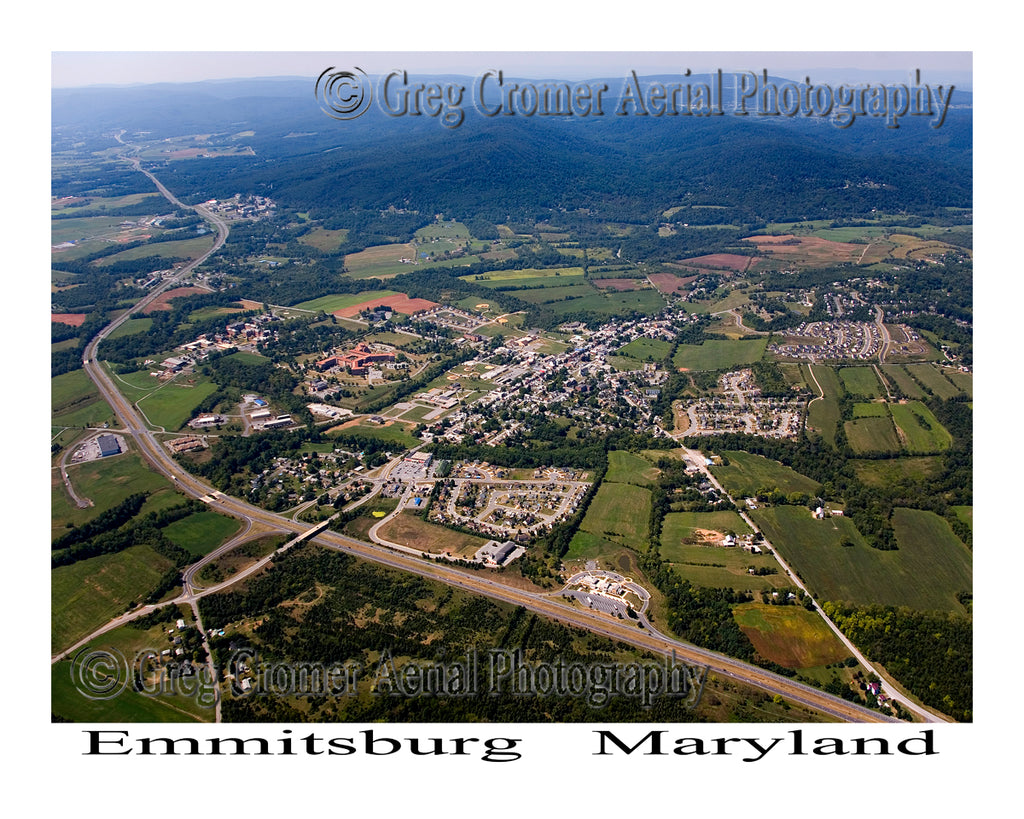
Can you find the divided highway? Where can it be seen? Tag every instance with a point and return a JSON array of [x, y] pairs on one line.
[[626, 631]]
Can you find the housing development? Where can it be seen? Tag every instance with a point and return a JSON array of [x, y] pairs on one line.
[[390, 409]]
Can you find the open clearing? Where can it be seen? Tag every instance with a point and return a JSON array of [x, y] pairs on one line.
[[789, 635], [411, 530], [804, 250], [922, 430]]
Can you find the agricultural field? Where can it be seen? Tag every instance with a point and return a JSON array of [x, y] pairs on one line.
[[86, 594], [646, 302], [380, 260], [75, 402], [183, 248], [625, 467], [872, 434], [619, 511], [920, 428], [131, 327], [790, 635], [333, 303], [902, 379], [875, 409], [723, 567], [202, 532], [860, 381], [410, 529], [719, 355], [927, 571], [682, 527], [558, 292], [823, 413], [525, 276], [962, 381], [811, 251], [930, 376], [746, 474]]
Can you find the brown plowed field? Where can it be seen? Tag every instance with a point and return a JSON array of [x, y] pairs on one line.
[[669, 283], [400, 303], [720, 261], [164, 302], [807, 250], [73, 319]]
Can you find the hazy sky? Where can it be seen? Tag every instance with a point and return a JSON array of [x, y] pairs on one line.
[[78, 68]]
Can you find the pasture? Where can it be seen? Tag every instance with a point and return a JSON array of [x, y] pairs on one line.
[[902, 379], [823, 413], [930, 376], [625, 467]]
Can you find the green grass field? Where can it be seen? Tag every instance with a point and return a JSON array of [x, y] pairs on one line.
[[625, 467], [924, 434], [747, 473], [342, 300], [171, 406], [931, 377], [572, 290], [646, 349], [872, 410], [963, 381], [131, 327], [85, 595], [619, 511], [106, 482], [790, 635], [872, 434], [184, 248], [326, 240], [201, 533], [719, 355], [925, 573], [525, 275], [75, 402], [823, 414], [966, 514], [898, 375], [397, 433], [860, 381], [889, 471], [646, 302], [680, 527]]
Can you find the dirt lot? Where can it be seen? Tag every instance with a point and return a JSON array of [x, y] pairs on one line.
[[720, 261]]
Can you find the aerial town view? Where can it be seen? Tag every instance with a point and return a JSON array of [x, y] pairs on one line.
[[406, 392]]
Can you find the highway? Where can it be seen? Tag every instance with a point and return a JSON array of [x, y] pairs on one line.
[[628, 632]]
